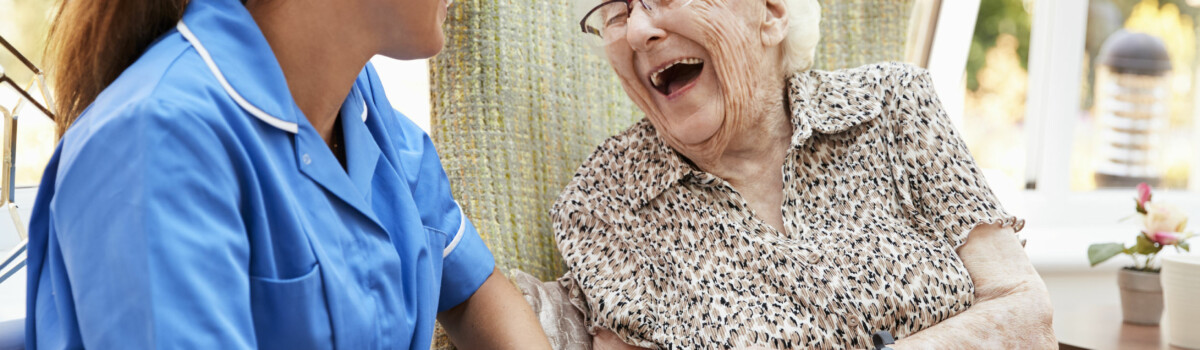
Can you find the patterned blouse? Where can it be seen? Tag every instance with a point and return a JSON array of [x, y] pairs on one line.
[[879, 192]]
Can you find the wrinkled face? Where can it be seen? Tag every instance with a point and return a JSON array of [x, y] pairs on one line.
[[412, 28], [694, 69]]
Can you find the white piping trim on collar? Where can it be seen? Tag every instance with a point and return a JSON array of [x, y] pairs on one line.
[[257, 113], [364, 113], [462, 227]]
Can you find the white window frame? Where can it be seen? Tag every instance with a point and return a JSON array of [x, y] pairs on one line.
[[1061, 223]]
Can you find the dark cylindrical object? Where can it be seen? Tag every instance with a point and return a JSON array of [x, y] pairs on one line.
[[1133, 95]]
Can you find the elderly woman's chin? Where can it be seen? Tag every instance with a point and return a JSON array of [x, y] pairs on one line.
[[692, 115], [695, 129]]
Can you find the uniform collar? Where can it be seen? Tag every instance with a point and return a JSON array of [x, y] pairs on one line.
[[818, 101], [237, 54]]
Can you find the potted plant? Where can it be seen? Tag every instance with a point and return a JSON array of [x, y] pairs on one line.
[[1141, 292]]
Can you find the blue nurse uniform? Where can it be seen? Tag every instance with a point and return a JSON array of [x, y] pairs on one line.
[[193, 206]]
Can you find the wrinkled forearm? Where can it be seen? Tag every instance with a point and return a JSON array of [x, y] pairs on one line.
[[1012, 307], [1020, 320]]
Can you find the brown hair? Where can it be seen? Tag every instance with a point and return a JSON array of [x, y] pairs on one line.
[[92, 42]]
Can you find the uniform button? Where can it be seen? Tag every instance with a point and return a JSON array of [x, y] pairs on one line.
[[306, 159]]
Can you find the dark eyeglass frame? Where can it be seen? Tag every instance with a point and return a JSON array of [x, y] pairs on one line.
[[589, 30]]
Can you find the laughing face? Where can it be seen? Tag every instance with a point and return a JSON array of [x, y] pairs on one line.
[[701, 71]]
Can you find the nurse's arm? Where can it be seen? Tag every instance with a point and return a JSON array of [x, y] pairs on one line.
[[150, 231], [495, 317]]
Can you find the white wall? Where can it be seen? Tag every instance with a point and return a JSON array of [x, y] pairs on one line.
[[406, 84]]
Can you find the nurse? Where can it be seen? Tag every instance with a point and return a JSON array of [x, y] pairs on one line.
[[232, 176]]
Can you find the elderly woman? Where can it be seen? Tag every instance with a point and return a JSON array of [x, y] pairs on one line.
[[762, 204]]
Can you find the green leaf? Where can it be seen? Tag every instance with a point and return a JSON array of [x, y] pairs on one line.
[[1145, 246], [1100, 252], [1185, 246]]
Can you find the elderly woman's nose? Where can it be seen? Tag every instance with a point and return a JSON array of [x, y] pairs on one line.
[[641, 31]]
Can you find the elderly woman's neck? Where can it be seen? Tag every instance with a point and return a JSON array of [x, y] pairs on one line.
[[756, 152]]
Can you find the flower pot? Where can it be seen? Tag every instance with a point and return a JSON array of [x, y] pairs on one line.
[[1141, 297], [1181, 281]]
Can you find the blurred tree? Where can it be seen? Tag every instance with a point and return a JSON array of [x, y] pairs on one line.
[[1014, 17], [996, 18]]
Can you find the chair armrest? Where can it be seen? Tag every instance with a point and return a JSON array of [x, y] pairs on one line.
[[562, 321]]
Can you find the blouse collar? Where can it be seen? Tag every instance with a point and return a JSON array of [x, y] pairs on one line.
[[818, 101]]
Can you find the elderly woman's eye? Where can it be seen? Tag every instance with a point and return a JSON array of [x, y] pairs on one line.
[[616, 19]]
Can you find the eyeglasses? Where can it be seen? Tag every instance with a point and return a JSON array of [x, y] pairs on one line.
[[607, 20]]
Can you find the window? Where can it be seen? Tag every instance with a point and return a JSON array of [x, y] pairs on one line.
[[25, 27], [1092, 144], [996, 84], [1137, 124], [1040, 97]]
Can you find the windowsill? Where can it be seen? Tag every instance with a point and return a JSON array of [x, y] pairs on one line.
[[1060, 227]]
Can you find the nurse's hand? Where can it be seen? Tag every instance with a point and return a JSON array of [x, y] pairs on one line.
[[495, 317]]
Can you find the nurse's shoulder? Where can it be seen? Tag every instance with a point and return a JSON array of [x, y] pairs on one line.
[[164, 114], [167, 91]]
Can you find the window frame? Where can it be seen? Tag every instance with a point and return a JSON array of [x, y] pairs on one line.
[[1061, 223]]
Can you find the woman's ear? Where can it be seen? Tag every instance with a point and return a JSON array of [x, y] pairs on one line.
[[775, 22]]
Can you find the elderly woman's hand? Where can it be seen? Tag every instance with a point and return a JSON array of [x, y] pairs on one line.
[[1012, 307]]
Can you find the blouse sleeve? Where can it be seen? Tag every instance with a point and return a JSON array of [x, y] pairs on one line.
[[940, 186], [607, 279]]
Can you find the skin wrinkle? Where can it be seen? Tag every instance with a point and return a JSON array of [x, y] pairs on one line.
[[751, 102], [1011, 308], [751, 141]]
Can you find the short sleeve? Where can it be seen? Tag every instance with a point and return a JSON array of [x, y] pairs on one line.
[[607, 279], [466, 263], [145, 246], [466, 260], [940, 185]]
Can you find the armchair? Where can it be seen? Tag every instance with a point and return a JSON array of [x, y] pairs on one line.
[[519, 101]]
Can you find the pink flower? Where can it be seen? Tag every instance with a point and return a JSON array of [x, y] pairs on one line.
[[1164, 238], [1164, 223], [1143, 197]]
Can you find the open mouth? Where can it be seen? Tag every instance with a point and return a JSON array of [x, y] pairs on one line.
[[676, 75]]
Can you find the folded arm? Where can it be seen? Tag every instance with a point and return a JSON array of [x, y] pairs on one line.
[[1012, 307]]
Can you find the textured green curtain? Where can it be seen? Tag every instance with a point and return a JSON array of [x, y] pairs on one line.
[[520, 99], [858, 32]]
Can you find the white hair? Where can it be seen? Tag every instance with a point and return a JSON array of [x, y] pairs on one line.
[[804, 32]]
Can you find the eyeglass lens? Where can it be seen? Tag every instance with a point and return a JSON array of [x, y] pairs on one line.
[[612, 14]]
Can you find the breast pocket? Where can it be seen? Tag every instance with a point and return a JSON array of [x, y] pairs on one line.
[[291, 313]]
